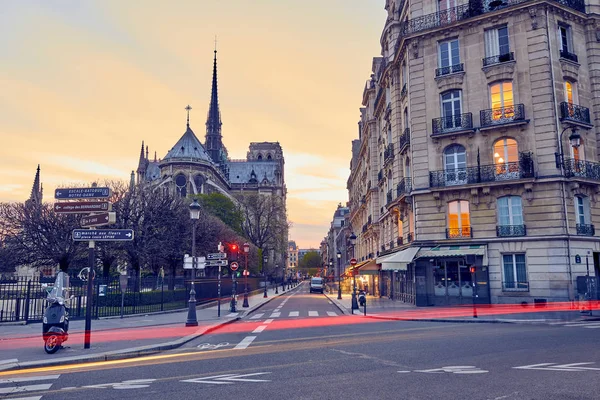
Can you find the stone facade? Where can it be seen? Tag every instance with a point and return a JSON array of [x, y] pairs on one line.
[[460, 124]]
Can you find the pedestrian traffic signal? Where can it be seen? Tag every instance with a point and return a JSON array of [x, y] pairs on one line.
[[234, 248], [472, 270]]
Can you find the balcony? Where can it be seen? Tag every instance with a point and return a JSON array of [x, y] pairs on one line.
[[452, 124], [405, 139], [452, 69], [585, 229], [388, 153], [510, 230], [484, 173], [568, 56], [582, 169], [404, 187], [502, 115], [513, 286], [499, 59], [457, 233], [570, 112]]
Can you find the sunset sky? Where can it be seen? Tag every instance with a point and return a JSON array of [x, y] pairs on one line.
[[82, 83]]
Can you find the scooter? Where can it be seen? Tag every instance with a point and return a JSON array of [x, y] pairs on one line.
[[55, 325], [362, 298]]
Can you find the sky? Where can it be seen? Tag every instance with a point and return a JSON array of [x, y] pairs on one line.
[[83, 82]]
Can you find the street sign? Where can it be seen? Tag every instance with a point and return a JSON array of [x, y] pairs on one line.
[[102, 235], [216, 263], [234, 266], [577, 259], [82, 207], [106, 218], [353, 261], [82, 193], [216, 256], [188, 262]]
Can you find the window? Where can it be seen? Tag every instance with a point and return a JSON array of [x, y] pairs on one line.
[[451, 110], [506, 159], [510, 217], [181, 183], [502, 101], [459, 224], [448, 56], [515, 272], [496, 45], [404, 73], [582, 210], [447, 10], [565, 38], [406, 118], [455, 165], [570, 92]]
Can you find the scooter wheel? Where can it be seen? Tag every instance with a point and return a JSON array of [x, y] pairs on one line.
[[52, 344]]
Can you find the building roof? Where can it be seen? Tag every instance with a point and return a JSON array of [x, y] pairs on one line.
[[246, 171], [188, 147]]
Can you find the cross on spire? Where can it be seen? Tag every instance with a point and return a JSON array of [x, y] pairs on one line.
[[188, 108]]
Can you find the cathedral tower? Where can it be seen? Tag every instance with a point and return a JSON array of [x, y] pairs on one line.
[[214, 142]]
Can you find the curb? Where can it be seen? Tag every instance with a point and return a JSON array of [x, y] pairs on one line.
[[336, 303]]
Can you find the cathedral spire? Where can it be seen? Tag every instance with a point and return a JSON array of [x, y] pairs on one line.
[[213, 122], [36, 190]]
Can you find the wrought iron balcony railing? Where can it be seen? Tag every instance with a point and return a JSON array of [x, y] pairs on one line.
[[484, 173], [405, 139], [452, 123], [388, 154], [451, 69], [585, 229], [510, 230], [568, 56], [404, 90], [574, 112], [404, 187], [502, 58], [582, 169], [464, 232], [502, 115], [514, 286]]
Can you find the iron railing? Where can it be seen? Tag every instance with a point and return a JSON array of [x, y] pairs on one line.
[[509, 286], [502, 115], [388, 153], [404, 139], [582, 169], [451, 69], [452, 123], [568, 56], [404, 187], [574, 112], [510, 230], [464, 232], [484, 173], [501, 58], [585, 229]]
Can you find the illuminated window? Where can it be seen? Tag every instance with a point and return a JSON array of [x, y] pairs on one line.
[[570, 97], [506, 156], [459, 224], [502, 101]]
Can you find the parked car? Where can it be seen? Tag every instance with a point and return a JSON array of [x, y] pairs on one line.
[[316, 285]]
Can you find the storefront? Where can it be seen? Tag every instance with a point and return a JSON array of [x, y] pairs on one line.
[[367, 278], [397, 272]]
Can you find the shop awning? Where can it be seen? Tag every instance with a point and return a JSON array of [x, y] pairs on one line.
[[398, 261], [452, 251], [369, 268], [351, 268]]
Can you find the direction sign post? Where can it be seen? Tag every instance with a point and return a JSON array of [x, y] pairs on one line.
[[102, 235], [216, 256], [82, 193], [82, 207], [100, 219]]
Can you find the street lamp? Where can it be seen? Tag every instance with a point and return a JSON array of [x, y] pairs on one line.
[[339, 257], [354, 301], [276, 277], [192, 320], [574, 140], [265, 259], [246, 251]]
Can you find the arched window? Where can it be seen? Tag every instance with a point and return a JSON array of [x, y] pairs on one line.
[[259, 157], [181, 183], [269, 157], [459, 221], [510, 216], [506, 159], [455, 165], [199, 182]]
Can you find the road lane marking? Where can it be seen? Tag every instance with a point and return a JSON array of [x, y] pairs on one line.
[[233, 314], [26, 388], [29, 379], [294, 313], [228, 379], [332, 314], [259, 329], [313, 313], [573, 367], [257, 316], [268, 321], [244, 343], [26, 398], [455, 369], [275, 314]]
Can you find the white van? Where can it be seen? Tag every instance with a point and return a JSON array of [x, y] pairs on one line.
[[316, 285]]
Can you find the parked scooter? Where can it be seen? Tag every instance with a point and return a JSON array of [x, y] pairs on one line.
[[362, 298], [55, 326]]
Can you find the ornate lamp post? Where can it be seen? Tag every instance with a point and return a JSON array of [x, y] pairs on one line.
[[354, 301], [265, 259], [339, 257], [246, 251], [276, 277], [192, 320], [574, 140]]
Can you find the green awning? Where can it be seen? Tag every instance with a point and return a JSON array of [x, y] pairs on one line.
[[451, 251], [369, 268], [399, 260]]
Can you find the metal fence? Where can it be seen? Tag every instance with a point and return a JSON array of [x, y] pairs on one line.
[[24, 299]]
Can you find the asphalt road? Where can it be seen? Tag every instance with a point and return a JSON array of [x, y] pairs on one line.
[[301, 347]]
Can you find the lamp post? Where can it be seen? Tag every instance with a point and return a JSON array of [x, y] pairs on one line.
[[246, 251], [192, 320], [574, 140], [354, 301], [339, 258], [276, 277], [265, 259]]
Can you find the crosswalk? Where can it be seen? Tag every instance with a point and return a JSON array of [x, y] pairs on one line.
[[580, 324], [19, 387], [295, 314]]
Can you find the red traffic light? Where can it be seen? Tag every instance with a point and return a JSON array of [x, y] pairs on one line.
[[234, 247], [472, 269]]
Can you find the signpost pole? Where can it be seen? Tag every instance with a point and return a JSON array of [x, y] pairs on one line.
[[88, 301], [219, 294]]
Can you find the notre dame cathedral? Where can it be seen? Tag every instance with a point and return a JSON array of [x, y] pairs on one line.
[[191, 167]]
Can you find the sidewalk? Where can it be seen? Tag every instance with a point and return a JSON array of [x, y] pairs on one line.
[[386, 309], [21, 346]]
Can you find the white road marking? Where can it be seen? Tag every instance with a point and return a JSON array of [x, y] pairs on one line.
[[26, 398], [403, 372], [332, 313], [228, 379], [455, 369], [29, 379], [577, 367], [257, 316], [259, 329], [268, 321], [9, 361], [245, 342], [275, 314], [233, 314], [294, 313], [313, 313], [26, 388]]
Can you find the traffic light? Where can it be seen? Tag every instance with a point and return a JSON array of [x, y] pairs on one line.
[[472, 270], [234, 248]]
